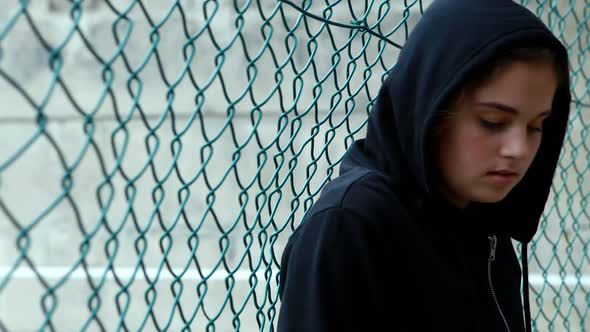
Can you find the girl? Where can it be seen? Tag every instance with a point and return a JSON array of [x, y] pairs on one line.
[[461, 147]]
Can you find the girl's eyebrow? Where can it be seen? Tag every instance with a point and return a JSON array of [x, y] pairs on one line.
[[509, 109]]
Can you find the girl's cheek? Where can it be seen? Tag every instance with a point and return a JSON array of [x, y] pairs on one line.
[[477, 143]]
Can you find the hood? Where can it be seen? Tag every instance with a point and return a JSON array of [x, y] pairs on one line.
[[451, 40]]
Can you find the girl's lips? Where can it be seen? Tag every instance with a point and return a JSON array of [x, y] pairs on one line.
[[504, 172], [502, 178]]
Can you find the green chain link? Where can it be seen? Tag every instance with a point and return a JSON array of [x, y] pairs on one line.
[[279, 90]]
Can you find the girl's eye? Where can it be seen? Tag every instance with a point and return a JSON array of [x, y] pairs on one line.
[[535, 129], [491, 124]]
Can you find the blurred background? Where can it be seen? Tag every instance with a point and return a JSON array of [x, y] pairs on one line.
[[156, 155]]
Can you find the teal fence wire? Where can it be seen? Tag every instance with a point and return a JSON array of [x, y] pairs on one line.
[[156, 155]]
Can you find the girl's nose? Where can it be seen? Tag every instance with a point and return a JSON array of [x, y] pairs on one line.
[[517, 144]]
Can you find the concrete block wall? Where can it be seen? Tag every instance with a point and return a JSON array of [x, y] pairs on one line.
[[110, 191]]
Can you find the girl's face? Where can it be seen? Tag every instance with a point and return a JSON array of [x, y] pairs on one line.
[[493, 132]]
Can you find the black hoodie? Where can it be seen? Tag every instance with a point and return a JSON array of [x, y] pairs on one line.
[[380, 250]]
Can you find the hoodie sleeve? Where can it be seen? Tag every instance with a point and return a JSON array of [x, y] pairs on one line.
[[328, 270]]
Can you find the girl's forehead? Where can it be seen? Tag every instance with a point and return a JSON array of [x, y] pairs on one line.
[[520, 86]]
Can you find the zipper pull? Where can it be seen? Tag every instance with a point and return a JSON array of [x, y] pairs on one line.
[[493, 244]]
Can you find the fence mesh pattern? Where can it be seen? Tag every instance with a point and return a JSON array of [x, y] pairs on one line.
[[156, 155]]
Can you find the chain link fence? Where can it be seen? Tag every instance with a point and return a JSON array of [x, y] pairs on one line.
[[156, 155]]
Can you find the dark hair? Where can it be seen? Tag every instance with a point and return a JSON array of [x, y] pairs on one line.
[[486, 71], [509, 55]]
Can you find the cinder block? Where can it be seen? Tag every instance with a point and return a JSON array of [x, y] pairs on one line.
[[138, 304]]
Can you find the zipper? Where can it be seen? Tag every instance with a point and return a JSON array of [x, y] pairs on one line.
[[491, 258]]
